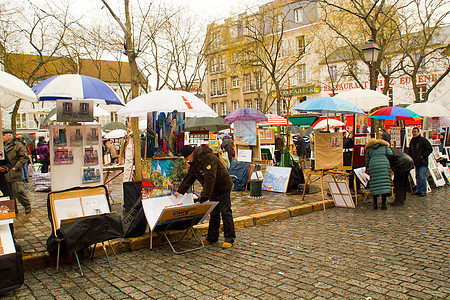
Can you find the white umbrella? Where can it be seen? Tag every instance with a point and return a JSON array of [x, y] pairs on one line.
[[364, 99], [167, 101], [116, 134], [98, 112], [429, 110], [143, 124], [13, 89], [331, 122]]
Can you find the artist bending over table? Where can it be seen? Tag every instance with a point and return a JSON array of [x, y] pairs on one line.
[[216, 181]]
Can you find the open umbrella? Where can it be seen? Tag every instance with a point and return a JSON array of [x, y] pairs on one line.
[[13, 89], [328, 105], [328, 122], [74, 86], [274, 120], [113, 126], [167, 101], [206, 123], [116, 134], [394, 113], [364, 99], [429, 110], [246, 114]]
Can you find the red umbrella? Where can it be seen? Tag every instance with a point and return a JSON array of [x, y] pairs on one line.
[[394, 113]]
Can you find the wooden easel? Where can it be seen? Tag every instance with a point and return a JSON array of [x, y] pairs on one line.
[[309, 181]]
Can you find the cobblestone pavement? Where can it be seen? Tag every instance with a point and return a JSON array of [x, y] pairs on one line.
[[32, 230], [401, 253]]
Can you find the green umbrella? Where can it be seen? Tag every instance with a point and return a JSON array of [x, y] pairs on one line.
[[206, 123], [113, 126]]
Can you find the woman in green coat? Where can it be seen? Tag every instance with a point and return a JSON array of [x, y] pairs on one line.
[[379, 170]]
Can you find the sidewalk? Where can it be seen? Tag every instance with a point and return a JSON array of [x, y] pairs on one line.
[[32, 230]]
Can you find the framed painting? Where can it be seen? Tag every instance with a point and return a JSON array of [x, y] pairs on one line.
[[90, 175], [76, 136], [276, 179], [62, 156], [245, 132], [59, 137], [165, 134], [74, 110]]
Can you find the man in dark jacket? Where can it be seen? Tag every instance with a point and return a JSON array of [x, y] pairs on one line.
[[227, 145], [216, 181], [18, 156], [419, 149], [385, 135], [401, 163]]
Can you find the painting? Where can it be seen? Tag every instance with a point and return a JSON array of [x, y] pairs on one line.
[[244, 155], [76, 137], [90, 175], [63, 156], [341, 194], [165, 134], [74, 110], [59, 137], [245, 132], [162, 177], [437, 177], [90, 156], [214, 145], [362, 175], [276, 179], [92, 136], [7, 210]]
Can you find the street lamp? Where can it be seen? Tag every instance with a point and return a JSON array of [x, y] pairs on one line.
[[370, 52]]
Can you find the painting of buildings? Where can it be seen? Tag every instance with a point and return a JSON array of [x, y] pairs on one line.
[[165, 134], [162, 177]]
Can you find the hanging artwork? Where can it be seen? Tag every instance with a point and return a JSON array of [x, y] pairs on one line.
[[76, 137], [276, 179], [90, 175], [162, 177], [59, 137], [90, 156], [63, 156], [74, 111], [92, 135], [245, 132], [165, 134]]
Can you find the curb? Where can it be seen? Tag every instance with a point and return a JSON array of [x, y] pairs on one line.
[[42, 260]]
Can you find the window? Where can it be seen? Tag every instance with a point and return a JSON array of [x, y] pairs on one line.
[[248, 103], [301, 45], [332, 70], [234, 82], [301, 74], [221, 66], [215, 108], [258, 102], [247, 82], [298, 15], [21, 120], [223, 107], [223, 86], [284, 49], [214, 87], [114, 117], [214, 65], [423, 88], [235, 105], [257, 80], [233, 29]]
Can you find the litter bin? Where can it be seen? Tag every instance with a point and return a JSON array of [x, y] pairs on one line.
[[255, 188]]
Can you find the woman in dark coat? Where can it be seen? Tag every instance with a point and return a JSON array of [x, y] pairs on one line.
[[377, 163]]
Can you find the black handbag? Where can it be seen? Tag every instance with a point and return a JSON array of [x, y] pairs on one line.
[[11, 271], [135, 223]]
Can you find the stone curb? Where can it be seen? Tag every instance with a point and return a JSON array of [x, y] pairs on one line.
[[42, 260]]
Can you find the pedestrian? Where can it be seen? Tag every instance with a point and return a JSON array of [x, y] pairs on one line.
[[43, 154], [419, 149], [300, 147], [216, 181], [227, 145], [385, 135], [442, 142], [111, 150], [401, 164], [18, 156], [5, 166], [379, 170]]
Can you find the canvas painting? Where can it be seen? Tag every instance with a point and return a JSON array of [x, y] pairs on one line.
[[276, 179], [74, 110], [92, 136], [7, 210], [341, 194], [90, 156], [214, 145], [76, 136], [362, 176], [59, 137], [165, 134], [90, 175], [162, 177], [245, 132], [95, 205], [63, 156]]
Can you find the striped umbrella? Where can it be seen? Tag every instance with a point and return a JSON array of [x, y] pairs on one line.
[[274, 120], [246, 114], [394, 113]]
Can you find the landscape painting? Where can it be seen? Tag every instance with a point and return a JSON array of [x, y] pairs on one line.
[[245, 132], [276, 179], [162, 177]]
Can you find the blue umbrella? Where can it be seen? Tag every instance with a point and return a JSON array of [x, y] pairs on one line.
[[74, 86], [328, 105]]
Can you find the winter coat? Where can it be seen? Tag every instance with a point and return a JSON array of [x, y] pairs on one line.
[[377, 154], [18, 156], [419, 149], [400, 162], [111, 149], [209, 171], [227, 145], [42, 150]]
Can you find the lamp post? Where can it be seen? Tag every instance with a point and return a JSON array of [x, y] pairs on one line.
[[370, 52]]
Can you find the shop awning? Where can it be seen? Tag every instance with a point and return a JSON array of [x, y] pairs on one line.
[[303, 120]]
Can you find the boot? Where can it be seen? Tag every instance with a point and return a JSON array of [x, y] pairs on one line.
[[383, 203]]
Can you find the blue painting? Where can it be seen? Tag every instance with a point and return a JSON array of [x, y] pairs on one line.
[[245, 132], [276, 179], [165, 134]]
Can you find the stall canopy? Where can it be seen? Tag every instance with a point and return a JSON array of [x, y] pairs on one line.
[[303, 120], [13, 89], [274, 120], [429, 110]]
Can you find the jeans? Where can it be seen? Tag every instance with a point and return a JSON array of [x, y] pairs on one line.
[[421, 178], [222, 208]]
